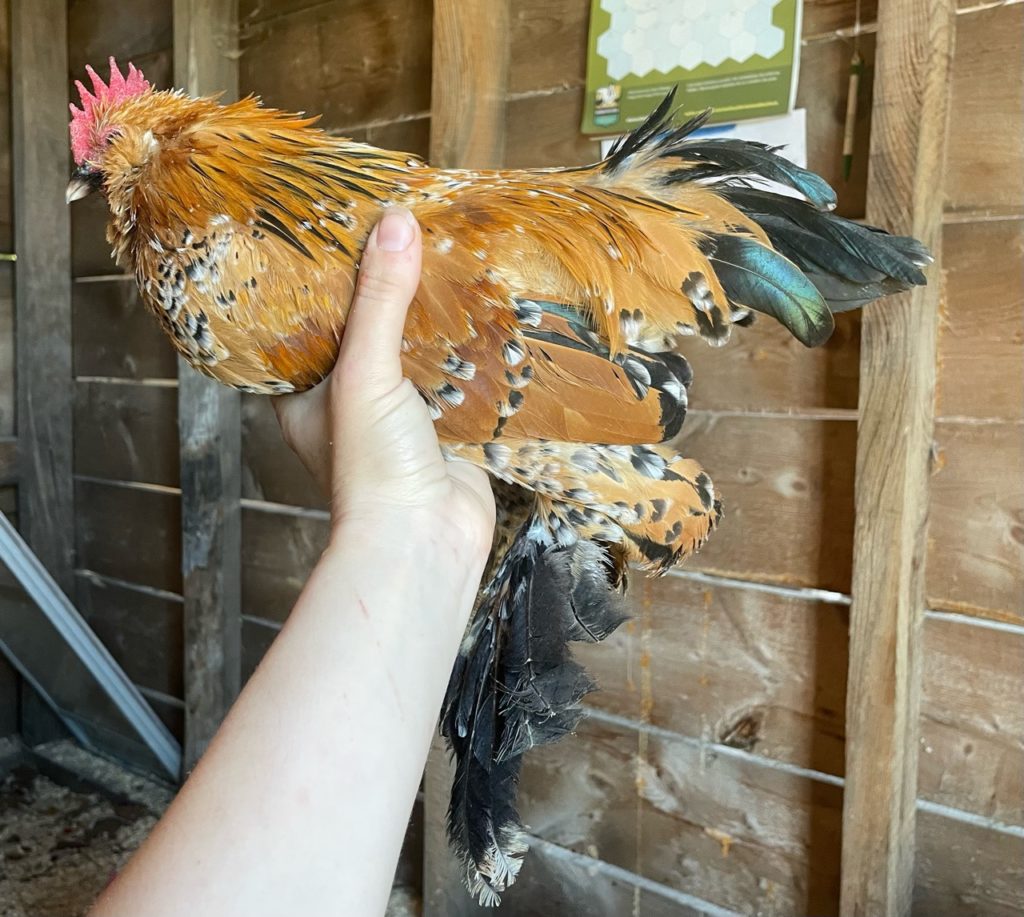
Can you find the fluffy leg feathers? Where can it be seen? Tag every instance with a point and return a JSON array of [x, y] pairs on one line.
[[515, 685]]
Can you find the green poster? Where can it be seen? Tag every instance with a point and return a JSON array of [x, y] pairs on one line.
[[739, 57]]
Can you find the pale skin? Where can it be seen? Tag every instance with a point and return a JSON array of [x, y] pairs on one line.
[[301, 802]]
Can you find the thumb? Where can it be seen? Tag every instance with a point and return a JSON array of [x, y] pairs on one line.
[[389, 274]]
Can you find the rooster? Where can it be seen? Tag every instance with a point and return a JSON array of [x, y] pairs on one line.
[[545, 339]]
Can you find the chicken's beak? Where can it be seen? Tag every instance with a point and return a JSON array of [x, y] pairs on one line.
[[84, 180]]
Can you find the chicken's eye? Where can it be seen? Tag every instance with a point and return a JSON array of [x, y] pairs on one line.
[[112, 136]]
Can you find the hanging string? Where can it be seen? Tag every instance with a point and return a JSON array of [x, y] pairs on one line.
[[853, 88]]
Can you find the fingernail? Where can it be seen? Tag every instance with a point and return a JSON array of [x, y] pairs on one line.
[[395, 230]]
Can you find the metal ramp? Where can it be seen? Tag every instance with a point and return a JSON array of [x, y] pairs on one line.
[[49, 643]]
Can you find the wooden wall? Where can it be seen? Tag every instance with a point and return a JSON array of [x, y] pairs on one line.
[[712, 764], [9, 687], [127, 536], [710, 774]]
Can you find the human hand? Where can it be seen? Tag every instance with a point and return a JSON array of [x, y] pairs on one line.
[[364, 433]]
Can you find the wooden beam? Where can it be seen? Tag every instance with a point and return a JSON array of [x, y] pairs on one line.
[[42, 238], [469, 84], [897, 396], [8, 460], [209, 428]]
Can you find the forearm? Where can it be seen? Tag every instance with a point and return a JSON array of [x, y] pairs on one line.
[[305, 792]]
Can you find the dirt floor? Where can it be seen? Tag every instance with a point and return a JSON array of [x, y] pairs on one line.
[[69, 820], [60, 840]]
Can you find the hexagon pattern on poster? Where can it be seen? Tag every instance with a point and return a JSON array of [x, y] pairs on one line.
[[649, 35]]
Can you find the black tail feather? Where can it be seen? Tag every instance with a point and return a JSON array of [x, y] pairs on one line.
[[712, 158], [515, 686], [828, 264], [759, 278], [849, 263], [568, 598], [657, 135], [898, 257], [721, 158]]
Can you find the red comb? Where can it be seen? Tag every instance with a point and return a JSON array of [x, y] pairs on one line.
[[119, 89]]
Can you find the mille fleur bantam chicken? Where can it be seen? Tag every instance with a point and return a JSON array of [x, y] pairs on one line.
[[544, 338]]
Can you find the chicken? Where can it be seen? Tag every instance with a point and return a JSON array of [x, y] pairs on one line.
[[544, 338]]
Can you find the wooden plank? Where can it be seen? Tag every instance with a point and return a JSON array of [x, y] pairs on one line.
[[409, 135], [822, 17], [966, 870], [279, 550], [542, 130], [976, 537], [757, 671], [100, 28], [129, 534], [142, 630], [972, 720], [554, 880], [409, 872], [43, 291], [205, 46], [8, 460], [730, 665], [787, 488], [352, 61], [251, 12], [548, 40], [470, 79], [257, 636], [7, 358], [42, 363], [897, 395], [209, 428], [981, 331], [444, 894], [824, 79], [9, 690], [127, 432], [6, 183], [764, 368], [986, 121], [723, 828], [115, 335]]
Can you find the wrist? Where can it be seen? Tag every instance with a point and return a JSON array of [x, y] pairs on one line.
[[410, 543], [461, 537], [393, 566]]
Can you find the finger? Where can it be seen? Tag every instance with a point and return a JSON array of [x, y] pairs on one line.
[[304, 426], [301, 411], [388, 276]]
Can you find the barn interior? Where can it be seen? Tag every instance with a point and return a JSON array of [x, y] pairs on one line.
[[854, 628]]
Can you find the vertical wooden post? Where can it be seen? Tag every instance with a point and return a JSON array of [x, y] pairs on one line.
[[42, 233], [467, 130], [897, 394], [209, 427], [469, 84]]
